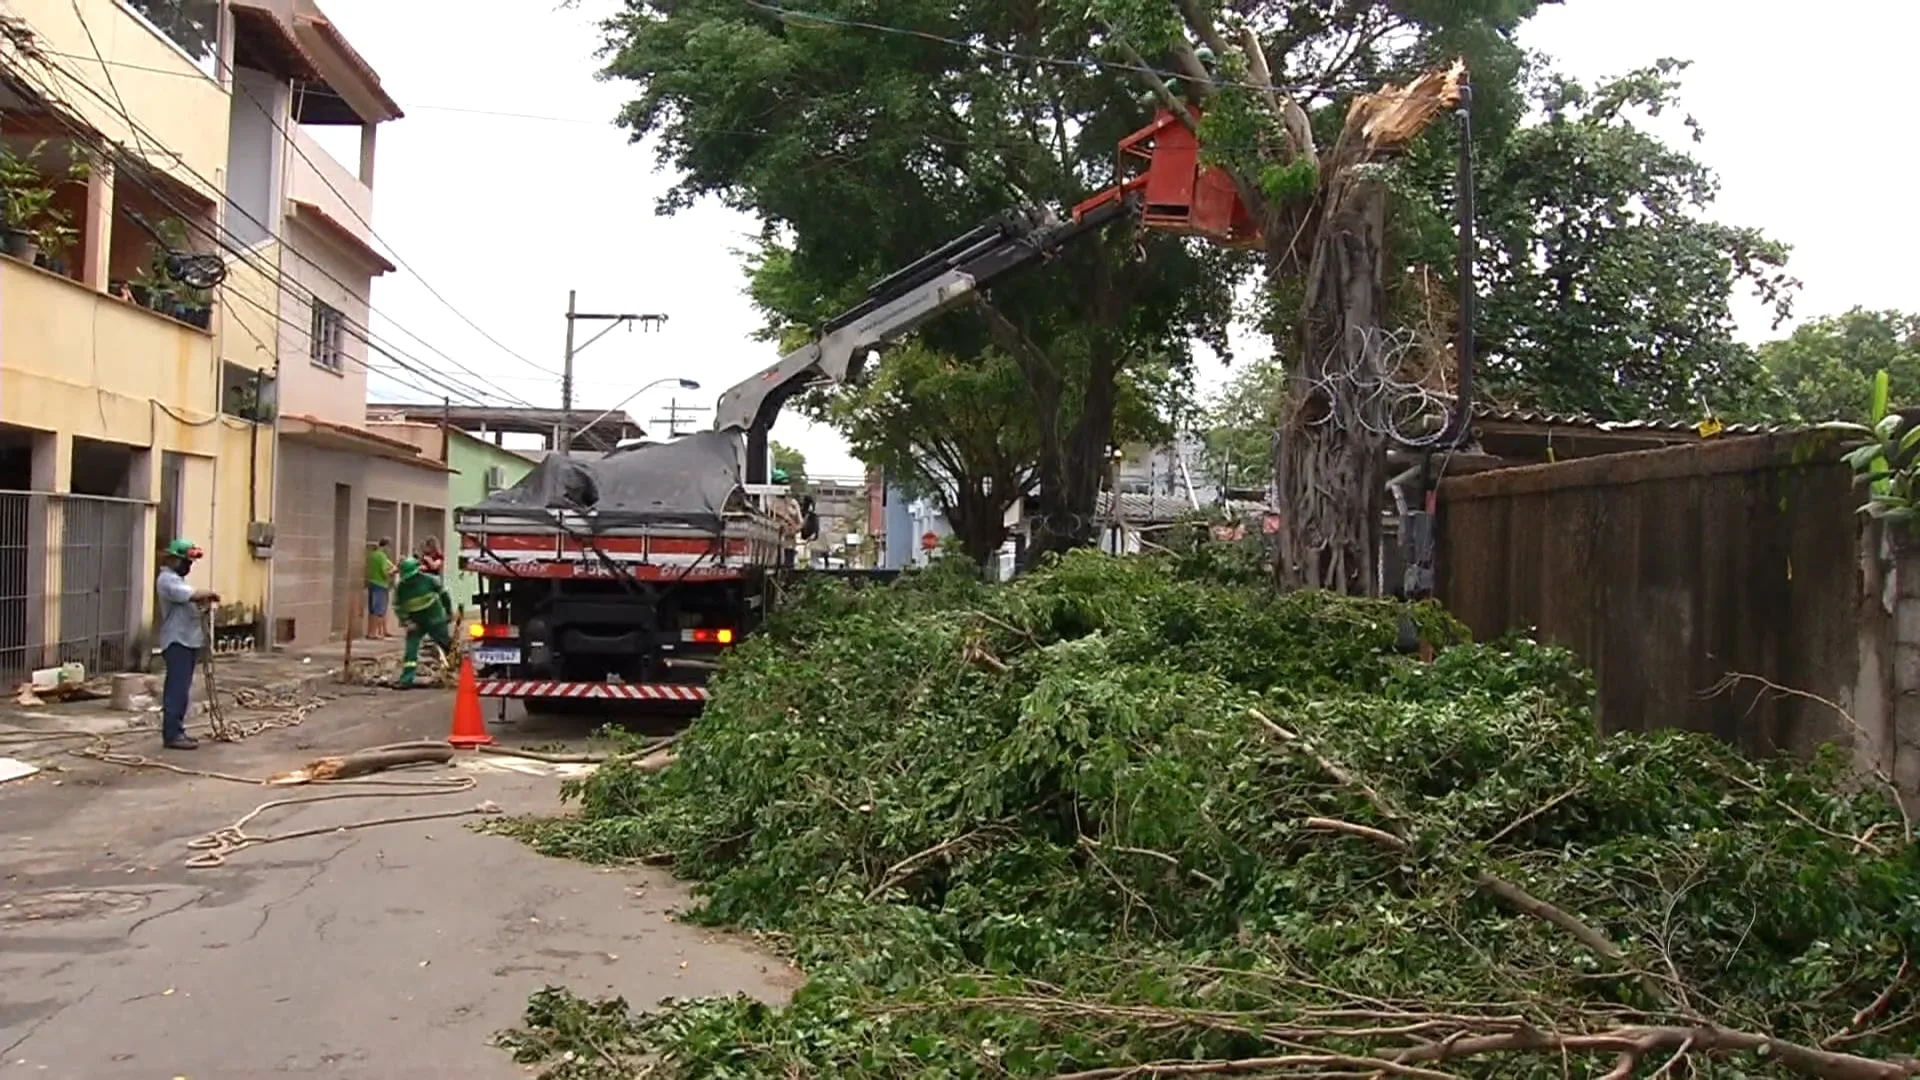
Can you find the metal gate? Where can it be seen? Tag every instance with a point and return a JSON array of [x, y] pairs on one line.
[[70, 575]]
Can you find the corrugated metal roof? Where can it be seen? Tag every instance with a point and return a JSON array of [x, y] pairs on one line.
[[1138, 509], [1577, 420]]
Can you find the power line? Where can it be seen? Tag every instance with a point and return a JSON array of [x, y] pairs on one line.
[[273, 273], [1005, 54], [409, 106], [135, 170], [235, 83], [287, 136]]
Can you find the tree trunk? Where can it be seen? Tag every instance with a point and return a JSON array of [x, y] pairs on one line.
[[979, 520], [1329, 453]]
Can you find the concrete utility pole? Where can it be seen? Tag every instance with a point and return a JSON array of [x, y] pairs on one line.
[[672, 419], [563, 436]]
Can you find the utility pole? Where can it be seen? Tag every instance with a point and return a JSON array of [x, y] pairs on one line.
[[563, 436], [672, 419]]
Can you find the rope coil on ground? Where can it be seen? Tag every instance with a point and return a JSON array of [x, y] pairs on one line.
[[216, 846]]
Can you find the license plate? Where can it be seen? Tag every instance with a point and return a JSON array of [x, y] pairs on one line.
[[496, 656]]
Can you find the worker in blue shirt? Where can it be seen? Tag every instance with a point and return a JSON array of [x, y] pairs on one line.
[[181, 638]]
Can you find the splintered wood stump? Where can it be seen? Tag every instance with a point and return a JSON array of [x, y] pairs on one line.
[[366, 762]]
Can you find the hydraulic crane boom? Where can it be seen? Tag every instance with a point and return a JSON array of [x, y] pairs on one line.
[[1163, 185], [896, 306]]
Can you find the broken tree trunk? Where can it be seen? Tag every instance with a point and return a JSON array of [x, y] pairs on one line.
[[1330, 452]]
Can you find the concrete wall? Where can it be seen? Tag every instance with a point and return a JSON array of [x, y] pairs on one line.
[[315, 177], [322, 269], [471, 459], [319, 564], [1669, 570], [258, 106]]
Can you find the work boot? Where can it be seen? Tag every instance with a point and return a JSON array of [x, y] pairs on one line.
[[184, 742]]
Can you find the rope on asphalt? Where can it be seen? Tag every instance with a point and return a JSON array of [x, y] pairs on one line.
[[216, 846]]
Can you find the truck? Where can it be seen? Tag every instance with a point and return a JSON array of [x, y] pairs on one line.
[[627, 577]]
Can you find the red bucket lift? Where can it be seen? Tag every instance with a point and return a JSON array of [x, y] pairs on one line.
[[1178, 194]]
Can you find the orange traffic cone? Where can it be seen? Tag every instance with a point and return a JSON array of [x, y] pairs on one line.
[[469, 730]]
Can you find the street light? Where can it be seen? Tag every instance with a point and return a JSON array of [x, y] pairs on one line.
[[685, 384]]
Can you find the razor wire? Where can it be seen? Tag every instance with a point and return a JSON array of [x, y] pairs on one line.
[[1381, 385]]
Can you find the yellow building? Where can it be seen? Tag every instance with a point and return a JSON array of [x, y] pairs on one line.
[[134, 406]]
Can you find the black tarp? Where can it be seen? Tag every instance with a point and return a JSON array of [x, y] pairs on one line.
[[691, 481]]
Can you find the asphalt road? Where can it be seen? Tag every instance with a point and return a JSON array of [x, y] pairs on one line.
[[391, 952]]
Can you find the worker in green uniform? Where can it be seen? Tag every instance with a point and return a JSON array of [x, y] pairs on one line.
[[424, 606]]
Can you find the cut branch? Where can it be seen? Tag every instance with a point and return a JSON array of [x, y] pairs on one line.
[[1288, 111], [1629, 1045]]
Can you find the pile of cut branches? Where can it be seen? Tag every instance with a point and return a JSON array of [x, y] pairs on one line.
[[1111, 821]]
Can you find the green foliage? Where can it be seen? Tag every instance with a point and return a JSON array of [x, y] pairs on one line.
[[959, 432], [1237, 438], [1887, 460], [1026, 829], [1826, 367], [861, 150], [792, 462], [27, 192], [1606, 289]]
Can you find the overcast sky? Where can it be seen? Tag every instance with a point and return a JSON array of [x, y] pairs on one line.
[[503, 214]]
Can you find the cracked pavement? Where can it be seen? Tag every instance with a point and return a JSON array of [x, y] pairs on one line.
[[391, 952]]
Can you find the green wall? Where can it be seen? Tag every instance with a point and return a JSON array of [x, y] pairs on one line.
[[470, 458]]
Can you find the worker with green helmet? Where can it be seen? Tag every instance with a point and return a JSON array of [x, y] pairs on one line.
[[424, 606], [181, 638]]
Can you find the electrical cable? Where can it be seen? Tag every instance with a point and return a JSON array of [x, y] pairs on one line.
[[447, 383], [1174, 77], [292, 144], [108, 149]]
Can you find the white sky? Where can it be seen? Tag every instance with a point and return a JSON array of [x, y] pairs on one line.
[[503, 215]]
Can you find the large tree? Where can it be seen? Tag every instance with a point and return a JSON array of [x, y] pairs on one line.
[[958, 432], [861, 148], [1606, 289], [1825, 368], [1271, 97]]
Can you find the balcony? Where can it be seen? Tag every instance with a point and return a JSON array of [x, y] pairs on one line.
[[73, 359], [110, 228]]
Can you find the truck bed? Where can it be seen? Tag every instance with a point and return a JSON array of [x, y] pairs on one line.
[[674, 511], [571, 545]]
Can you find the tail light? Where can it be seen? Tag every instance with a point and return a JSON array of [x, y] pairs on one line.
[[708, 635], [480, 631]]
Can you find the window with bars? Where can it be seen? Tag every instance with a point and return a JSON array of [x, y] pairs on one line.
[[327, 336]]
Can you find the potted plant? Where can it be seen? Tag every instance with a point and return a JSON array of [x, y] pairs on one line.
[[28, 218]]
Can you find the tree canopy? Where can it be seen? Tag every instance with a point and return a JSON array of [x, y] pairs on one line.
[[1824, 370], [860, 149], [860, 142], [1606, 289]]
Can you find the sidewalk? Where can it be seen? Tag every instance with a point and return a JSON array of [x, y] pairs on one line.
[[283, 673]]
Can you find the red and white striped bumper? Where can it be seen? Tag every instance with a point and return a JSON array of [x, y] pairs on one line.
[[590, 691]]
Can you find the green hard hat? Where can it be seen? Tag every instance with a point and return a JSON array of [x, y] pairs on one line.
[[779, 476], [409, 566], [183, 548]]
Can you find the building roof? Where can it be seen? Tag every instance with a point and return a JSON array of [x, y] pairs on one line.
[[335, 436], [263, 40], [605, 436], [333, 229], [530, 456], [1163, 509], [1526, 435], [355, 95]]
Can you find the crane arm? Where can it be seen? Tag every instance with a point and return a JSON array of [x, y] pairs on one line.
[[905, 300]]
